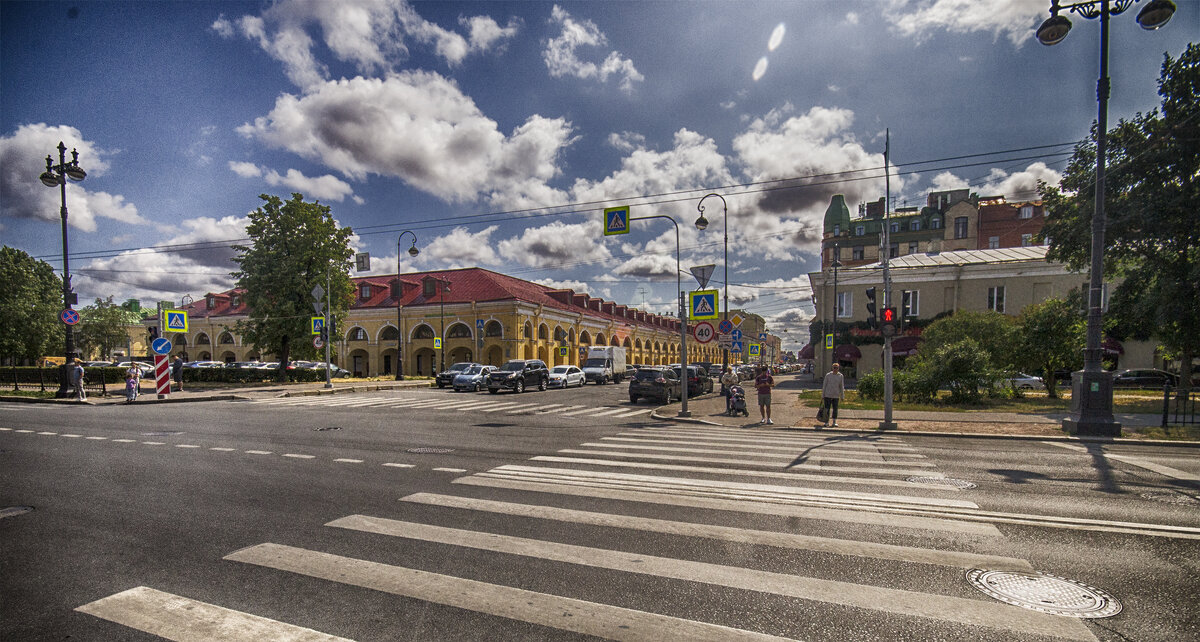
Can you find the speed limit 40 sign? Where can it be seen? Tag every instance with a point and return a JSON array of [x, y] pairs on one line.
[[704, 332]]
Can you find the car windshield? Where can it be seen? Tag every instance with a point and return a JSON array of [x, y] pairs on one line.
[[459, 367], [474, 370], [594, 363], [560, 370], [513, 366]]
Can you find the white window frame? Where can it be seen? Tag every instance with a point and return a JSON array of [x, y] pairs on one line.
[[860, 230], [844, 305], [935, 223], [913, 247], [894, 251], [914, 303], [996, 295], [1026, 240], [837, 230], [966, 228], [1026, 211], [857, 253], [895, 227], [993, 242], [364, 291], [915, 226]]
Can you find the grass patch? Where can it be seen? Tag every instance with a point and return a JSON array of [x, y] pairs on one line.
[[33, 394], [1179, 433], [1134, 402]]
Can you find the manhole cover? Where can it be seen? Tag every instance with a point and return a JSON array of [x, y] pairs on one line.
[[163, 433], [13, 511], [942, 481], [327, 428], [430, 451], [1172, 498], [1045, 593]]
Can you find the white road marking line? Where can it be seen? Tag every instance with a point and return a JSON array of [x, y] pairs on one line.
[[745, 462], [814, 447], [186, 620], [817, 458], [563, 613], [637, 412], [505, 406], [22, 430], [47, 432], [97, 438], [749, 437], [607, 411], [259, 452], [729, 534], [536, 407], [395, 465], [349, 461], [578, 412], [833, 479], [798, 508], [987, 613], [223, 450], [155, 443], [67, 434], [299, 456], [186, 446], [5, 429], [477, 405], [787, 491], [563, 409], [451, 470], [1165, 471], [124, 441]]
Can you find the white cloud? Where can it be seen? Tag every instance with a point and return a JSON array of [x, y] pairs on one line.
[[23, 158], [852, 18], [245, 170], [626, 141], [485, 33], [556, 244], [1017, 186], [1016, 19], [580, 287], [562, 60], [417, 126], [462, 248], [325, 188]]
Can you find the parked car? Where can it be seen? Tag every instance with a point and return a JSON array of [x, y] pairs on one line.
[[1022, 381], [1144, 378], [655, 382], [98, 364], [519, 374], [334, 371], [566, 376], [146, 368], [446, 378], [205, 364], [473, 378], [243, 365], [630, 371], [698, 381]]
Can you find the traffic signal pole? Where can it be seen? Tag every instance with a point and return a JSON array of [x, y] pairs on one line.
[[886, 250]]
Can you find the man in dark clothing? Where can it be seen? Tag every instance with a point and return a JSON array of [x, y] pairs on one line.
[[177, 372], [763, 383]]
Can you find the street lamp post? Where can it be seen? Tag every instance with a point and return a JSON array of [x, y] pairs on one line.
[[683, 316], [443, 290], [702, 223], [1091, 393], [412, 251], [56, 176]]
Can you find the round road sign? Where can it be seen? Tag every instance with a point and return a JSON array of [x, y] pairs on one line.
[[318, 343], [704, 332], [69, 317]]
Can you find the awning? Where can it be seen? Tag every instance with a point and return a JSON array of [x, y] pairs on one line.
[[847, 352], [1112, 346], [905, 346], [806, 352]]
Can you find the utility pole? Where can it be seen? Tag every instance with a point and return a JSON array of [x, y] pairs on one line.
[[886, 251]]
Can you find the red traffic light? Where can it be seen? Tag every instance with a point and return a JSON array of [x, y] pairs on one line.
[[889, 315]]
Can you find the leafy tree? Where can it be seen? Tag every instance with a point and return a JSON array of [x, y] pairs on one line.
[[294, 245], [30, 300], [991, 331], [1051, 337], [104, 326], [1152, 189], [963, 366]]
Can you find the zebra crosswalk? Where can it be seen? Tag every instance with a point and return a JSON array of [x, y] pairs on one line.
[[473, 403], [771, 492]]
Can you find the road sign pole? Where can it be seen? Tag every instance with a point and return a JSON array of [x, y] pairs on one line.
[[328, 334]]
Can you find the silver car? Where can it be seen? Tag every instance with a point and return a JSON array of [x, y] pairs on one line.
[[566, 376], [473, 378]]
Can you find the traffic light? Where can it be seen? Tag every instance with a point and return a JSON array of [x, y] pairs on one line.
[[872, 316], [888, 328]]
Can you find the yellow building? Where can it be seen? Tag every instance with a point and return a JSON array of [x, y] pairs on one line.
[[483, 316]]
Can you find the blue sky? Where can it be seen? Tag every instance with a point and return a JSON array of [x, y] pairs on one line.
[[498, 131]]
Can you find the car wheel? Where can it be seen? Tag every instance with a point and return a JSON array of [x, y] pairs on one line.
[[441, 385], [542, 385], [493, 390], [633, 398], [520, 387], [476, 386]]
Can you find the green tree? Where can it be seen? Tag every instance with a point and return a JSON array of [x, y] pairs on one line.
[[104, 326], [991, 331], [30, 300], [294, 246], [962, 366], [1050, 337], [1152, 192]]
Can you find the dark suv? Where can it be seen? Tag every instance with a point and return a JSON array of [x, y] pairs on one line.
[[447, 378], [660, 383], [519, 374], [699, 382]]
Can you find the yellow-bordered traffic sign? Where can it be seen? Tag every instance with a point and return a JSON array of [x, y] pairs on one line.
[[177, 320], [702, 305], [616, 220], [318, 324], [562, 351], [437, 343], [755, 349], [829, 342], [736, 320]]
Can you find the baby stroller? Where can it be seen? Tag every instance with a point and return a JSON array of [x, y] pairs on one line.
[[737, 402]]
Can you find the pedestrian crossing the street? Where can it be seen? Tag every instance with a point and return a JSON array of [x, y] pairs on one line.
[[473, 403], [745, 494]]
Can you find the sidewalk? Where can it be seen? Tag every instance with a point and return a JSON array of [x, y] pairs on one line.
[[208, 392]]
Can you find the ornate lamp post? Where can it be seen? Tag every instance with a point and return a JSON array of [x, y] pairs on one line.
[[56, 176], [412, 251], [1091, 395], [701, 224]]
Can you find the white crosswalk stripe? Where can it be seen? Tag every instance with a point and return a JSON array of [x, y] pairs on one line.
[[468, 403]]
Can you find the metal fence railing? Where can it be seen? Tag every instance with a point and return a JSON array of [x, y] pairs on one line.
[[16, 378], [1177, 409]]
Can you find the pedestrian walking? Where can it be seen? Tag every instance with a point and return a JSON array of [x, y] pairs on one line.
[[133, 382], [177, 372], [763, 383], [728, 381], [78, 378], [832, 391]]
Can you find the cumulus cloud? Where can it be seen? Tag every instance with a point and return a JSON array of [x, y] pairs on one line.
[[1016, 19], [1017, 186], [245, 170], [580, 287], [555, 244], [370, 34], [417, 126], [325, 188], [462, 248], [22, 195], [562, 60]]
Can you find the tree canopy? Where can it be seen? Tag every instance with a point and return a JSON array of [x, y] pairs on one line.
[[295, 246], [30, 300], [991, 331], [1051, 338], [104, 326], [1152, 206]]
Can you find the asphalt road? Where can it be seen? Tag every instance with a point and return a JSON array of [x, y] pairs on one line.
[[433, 515]]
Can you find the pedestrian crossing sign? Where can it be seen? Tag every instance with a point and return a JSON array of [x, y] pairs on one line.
[[562, 351], [318, 324], [616, 220], [755, 349], [177, 321], [437, 343], [703, 305]]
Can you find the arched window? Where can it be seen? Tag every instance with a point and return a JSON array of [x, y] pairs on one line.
[[637, 343], [585, 338], [627, 343], [225, 339], [571, 335], [390, 333], [600, 339], [493, 329], [543, 332], [528, 330], [423, 332], [357, 334], [458, 331], [614, 341], [202, 339]]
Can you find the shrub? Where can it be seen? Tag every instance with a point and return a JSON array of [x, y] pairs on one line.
[[870, 385]]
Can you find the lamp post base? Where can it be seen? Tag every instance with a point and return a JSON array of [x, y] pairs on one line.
[[888, 425], [1091, 405]]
